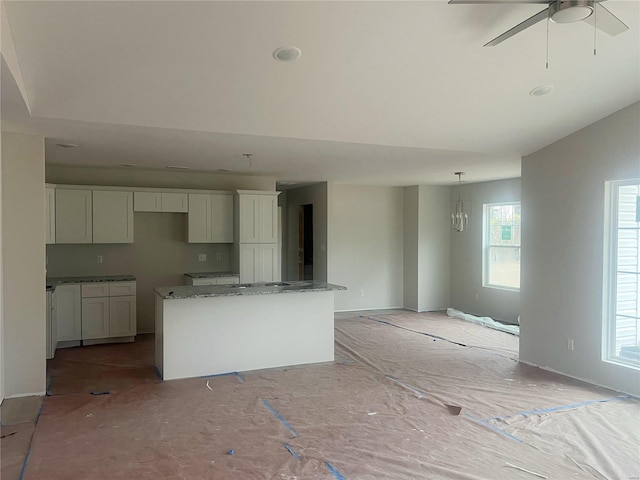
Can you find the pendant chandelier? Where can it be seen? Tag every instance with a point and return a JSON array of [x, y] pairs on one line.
[[459, 218]]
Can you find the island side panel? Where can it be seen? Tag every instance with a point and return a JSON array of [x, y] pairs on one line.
[[213, 335], [159, 338]]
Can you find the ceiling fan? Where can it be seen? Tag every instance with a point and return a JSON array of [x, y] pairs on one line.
[[559, 11]]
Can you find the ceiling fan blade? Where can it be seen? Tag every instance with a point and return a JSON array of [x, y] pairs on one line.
[[538, 17], [606, 21], [483, 2]]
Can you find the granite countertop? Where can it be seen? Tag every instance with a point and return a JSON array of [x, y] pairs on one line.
[[53, 281], [211, 274], [181, 292]]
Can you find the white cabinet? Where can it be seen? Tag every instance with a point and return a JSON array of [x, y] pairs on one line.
[[160, 202], [112, 216], [210, 218], [174, 202], [108, 310], [50, 215], [74, 216], [68, 303], [95, 318], [257, 217], [122, 316], [199, 220], [147, 202], [221, 218], [259, 263]]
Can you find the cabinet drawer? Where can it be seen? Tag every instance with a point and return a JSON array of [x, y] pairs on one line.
[[119, 289], [95, 290], [228, 280]]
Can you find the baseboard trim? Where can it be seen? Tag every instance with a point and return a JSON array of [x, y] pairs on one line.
[[369, 309], [590, 382]]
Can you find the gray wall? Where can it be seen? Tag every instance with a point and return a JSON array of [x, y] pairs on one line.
[[158, 257], [466, 254], [315, 195], [563, 242], [426, 248], [23, 293], [365, 240]]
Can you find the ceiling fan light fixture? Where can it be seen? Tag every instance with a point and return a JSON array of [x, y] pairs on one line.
[[570, 11]]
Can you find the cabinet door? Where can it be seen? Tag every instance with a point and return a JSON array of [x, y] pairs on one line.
[[122, 320], [50, 215], [68, 313], [147, 202], [221, 219], [95, 318], [267, 219], [199, 218], [248, 213], [175, 202], [73, 216], [267, 268], [112, 216], [248, 263]]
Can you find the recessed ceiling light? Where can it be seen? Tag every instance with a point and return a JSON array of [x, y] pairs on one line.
[[541, 90], [287, 54], [177, 167], [66, 145]]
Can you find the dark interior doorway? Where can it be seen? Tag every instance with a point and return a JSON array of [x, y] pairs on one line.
[[305, 242]]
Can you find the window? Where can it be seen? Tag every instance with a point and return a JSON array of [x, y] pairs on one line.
[[501, 246], [622, 277]]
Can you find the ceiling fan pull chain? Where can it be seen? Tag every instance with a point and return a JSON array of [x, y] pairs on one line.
[[595, 27], [547, 43]]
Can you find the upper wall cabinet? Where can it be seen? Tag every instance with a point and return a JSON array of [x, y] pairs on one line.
[[210, 218], [50, 215], [161, 202], [112, 216], [257, 217], [74, 216]]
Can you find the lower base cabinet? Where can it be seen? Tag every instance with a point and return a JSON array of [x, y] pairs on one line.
[[95, 311]]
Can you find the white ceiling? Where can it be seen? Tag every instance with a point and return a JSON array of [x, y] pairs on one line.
[[385, 93]]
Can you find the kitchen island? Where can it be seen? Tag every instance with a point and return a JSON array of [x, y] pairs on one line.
[[216, 329]]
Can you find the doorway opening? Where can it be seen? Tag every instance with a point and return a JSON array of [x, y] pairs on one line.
[[305, 242]]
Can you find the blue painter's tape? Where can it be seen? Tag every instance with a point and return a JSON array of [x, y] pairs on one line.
[[231, 452], [292, 451], [560, 408], [157, 373], [239, 376], [334, 471], [495, 429], [280, 417], [420, 333]]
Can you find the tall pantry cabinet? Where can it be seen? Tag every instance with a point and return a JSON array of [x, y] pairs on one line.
[[256, 236]]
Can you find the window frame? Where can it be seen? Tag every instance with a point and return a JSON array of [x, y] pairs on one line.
[[486, 244], [610, 275]]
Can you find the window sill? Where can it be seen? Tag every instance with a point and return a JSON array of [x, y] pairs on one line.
[[621, 362], [498, 287]]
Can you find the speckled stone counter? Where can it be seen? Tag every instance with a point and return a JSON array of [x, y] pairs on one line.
[[90, 279], [202, 291], [209, 330], [211, 274]]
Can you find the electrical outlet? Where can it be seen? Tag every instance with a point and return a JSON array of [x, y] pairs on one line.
[[218, 256], [99, 259], [570, 344], [362, 293], [202, 257]]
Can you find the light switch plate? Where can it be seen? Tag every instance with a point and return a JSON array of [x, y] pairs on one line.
[[202, 257]]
